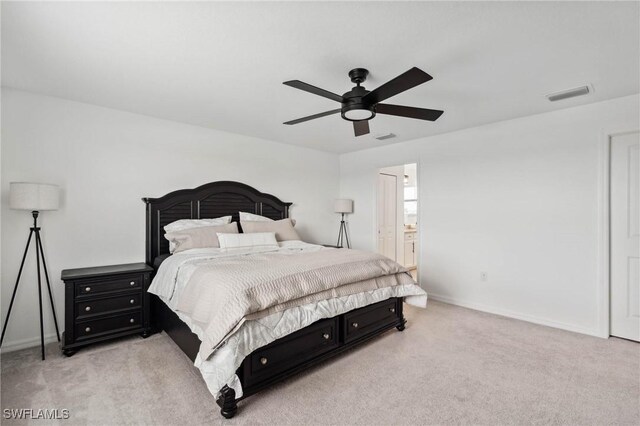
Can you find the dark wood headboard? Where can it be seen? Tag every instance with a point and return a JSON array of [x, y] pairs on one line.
[[210, 200]]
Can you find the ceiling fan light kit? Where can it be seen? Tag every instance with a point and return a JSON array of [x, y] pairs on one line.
[[360, 105], [353, 109]]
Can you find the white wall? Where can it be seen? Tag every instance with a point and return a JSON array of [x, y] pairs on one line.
[[105, 161], [518, 199]]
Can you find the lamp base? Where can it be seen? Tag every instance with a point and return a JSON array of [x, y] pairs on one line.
[[342, 234], [34, 230]]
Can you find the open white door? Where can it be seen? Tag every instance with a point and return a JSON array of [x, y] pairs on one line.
[[625, 236], [387, 199]]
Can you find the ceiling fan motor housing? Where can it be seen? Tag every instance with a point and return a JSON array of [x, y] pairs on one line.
[[353, 108], [358, 75]]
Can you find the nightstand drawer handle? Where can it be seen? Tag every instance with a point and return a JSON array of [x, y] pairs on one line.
[[132, 283], [88, 308], [392, 310], [132, 301], [132, 320], [87, 330], [87, 289], [326, 336], [354, 325], [263, 361]]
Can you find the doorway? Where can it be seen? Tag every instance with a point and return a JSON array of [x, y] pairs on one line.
[[397, 215], [624, 229]]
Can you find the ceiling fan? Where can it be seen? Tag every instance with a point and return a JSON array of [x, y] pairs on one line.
[[361, 105]]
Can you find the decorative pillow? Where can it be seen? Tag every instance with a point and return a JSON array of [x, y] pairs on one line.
[[199, 237], [183, 224], [250, 217], [257, 240], [283, 228]]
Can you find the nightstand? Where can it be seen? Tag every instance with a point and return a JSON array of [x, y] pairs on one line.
[[104, 303]]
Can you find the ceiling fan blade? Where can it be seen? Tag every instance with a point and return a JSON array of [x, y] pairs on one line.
[[412, 78], [313, 89], [409, 112], [361, 127], [314, 116]]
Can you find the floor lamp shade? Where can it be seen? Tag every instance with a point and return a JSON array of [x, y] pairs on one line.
[[33, 196], [343, 206]]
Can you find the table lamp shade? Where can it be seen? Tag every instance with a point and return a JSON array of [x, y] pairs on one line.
[[33, 196], [343, 206]]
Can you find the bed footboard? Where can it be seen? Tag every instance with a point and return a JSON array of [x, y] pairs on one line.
[[310, 346]]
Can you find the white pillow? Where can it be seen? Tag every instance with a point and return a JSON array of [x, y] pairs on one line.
[[250, 217], [262, 240], [182, 224]]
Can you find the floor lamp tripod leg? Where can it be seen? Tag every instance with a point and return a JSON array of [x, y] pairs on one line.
[[13, 296], [40, 299], [346, 235], [46, 276]]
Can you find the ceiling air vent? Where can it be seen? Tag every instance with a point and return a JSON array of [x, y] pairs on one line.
[[570, 93], [385, 136]]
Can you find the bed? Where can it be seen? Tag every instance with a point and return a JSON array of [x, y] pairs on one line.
[[265, 350]]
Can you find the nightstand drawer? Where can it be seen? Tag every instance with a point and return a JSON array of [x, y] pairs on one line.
[[91, 329], [107, 285], [92, 307]]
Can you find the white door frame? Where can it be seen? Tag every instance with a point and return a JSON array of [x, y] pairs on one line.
[[374, 186], [604, 231]]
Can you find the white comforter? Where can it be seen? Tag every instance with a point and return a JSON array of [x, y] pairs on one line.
[[219, 368]]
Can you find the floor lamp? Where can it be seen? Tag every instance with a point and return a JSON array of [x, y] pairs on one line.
[[343, 207], [34, 197]]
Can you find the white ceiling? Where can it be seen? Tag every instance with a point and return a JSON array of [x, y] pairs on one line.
[[221, 65]]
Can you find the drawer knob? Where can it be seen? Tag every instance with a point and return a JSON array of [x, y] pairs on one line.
[[132, 320], [392, 310], [87, 289], [326, 336], [263, 361], [354, 325], [132, 301], [87, 330], [88, 308], [132, 283]]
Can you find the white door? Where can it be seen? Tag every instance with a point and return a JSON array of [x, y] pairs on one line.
[[387, 199], [625, 236]]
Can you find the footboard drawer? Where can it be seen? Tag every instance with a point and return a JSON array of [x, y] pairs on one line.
[[369, 319], [292, 350]]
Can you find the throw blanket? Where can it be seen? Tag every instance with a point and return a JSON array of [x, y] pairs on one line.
[[221, 296]]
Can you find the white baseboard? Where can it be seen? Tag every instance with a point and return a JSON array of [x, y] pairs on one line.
[[16, 345], [48, 338], [515, 315]]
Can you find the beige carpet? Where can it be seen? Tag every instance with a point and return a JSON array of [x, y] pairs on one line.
[[450, 366]]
